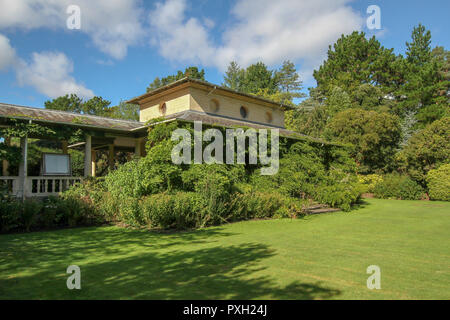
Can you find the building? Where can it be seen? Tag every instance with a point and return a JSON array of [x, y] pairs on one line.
[[208, 100], [186, 100]]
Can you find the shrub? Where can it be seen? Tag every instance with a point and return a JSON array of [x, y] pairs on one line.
[[263, 205], [182, 210], [426, 150], [395, 186], [374, 135], [9, 215], [29, 213], [439, 183], [369, 182], [340, 189]]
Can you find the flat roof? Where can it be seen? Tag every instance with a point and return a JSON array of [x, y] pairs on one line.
[[186, 82]]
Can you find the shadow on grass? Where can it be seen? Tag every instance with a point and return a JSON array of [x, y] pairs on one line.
[[359, 205], [141, 265]]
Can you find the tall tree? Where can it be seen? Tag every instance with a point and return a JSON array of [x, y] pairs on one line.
[[71, 103], [355, 60], [289, 82], [125, 111], [283, 85], [418, 51], [425, 87], [374, 135], [233, 77], [190, 72], [258, 77], [94, 106]]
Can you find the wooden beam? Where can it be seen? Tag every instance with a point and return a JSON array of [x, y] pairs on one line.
[[111, 156], [88, 156], [64, 146]]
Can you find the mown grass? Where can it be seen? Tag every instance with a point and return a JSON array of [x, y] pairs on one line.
[[318, 257]]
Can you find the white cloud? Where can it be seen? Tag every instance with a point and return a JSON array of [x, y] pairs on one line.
[[7, 53], [271, 31], [178, 38], [112, 25], [49, 73]]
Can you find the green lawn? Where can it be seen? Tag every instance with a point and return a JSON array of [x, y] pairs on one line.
[[319, 257]]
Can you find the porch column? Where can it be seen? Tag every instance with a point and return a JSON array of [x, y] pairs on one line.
[[88, 156], [64, 146], [111, 156], [5, 163], [138, 147], [93, 159], [23, 170]]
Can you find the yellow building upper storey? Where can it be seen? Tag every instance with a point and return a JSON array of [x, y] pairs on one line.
[[208, 99]]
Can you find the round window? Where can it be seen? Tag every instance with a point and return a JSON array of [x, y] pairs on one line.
[[162, 108], [244, 112], [213, 105]]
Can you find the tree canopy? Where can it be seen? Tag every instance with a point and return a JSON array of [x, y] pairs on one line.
[[190, 72], [96, 106]]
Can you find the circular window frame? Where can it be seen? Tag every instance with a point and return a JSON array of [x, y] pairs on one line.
[[214, 105], [244, 112], [163, 108]]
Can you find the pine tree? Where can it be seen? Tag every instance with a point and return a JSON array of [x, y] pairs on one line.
[[425, 86], [419, 50], [289, 83], [233, 77]]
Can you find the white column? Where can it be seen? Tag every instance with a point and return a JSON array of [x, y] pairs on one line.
[[5, 163], [93, 159], [88, 156], [23, 169], [138, 147]]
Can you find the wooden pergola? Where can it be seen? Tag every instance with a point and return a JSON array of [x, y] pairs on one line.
[[100, 133]]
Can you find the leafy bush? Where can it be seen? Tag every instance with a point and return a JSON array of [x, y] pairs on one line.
[[439, 183], [9, 211], [340, 189], [182, 210], [395, 186], [29, 212], [426, 150], [369, 182], [263, 205], [374, 135]]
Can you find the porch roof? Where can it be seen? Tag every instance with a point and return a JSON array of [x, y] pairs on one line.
[[68, 118]]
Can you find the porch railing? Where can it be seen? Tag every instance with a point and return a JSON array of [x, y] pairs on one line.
[[10, 183], [39, 186]]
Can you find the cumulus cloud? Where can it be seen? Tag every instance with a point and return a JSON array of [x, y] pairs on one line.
[[112, 25], [49, 73], [271, 31], [180, 38], [7, 53]]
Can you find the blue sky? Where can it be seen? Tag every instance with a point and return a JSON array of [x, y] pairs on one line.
[[123, 45]]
